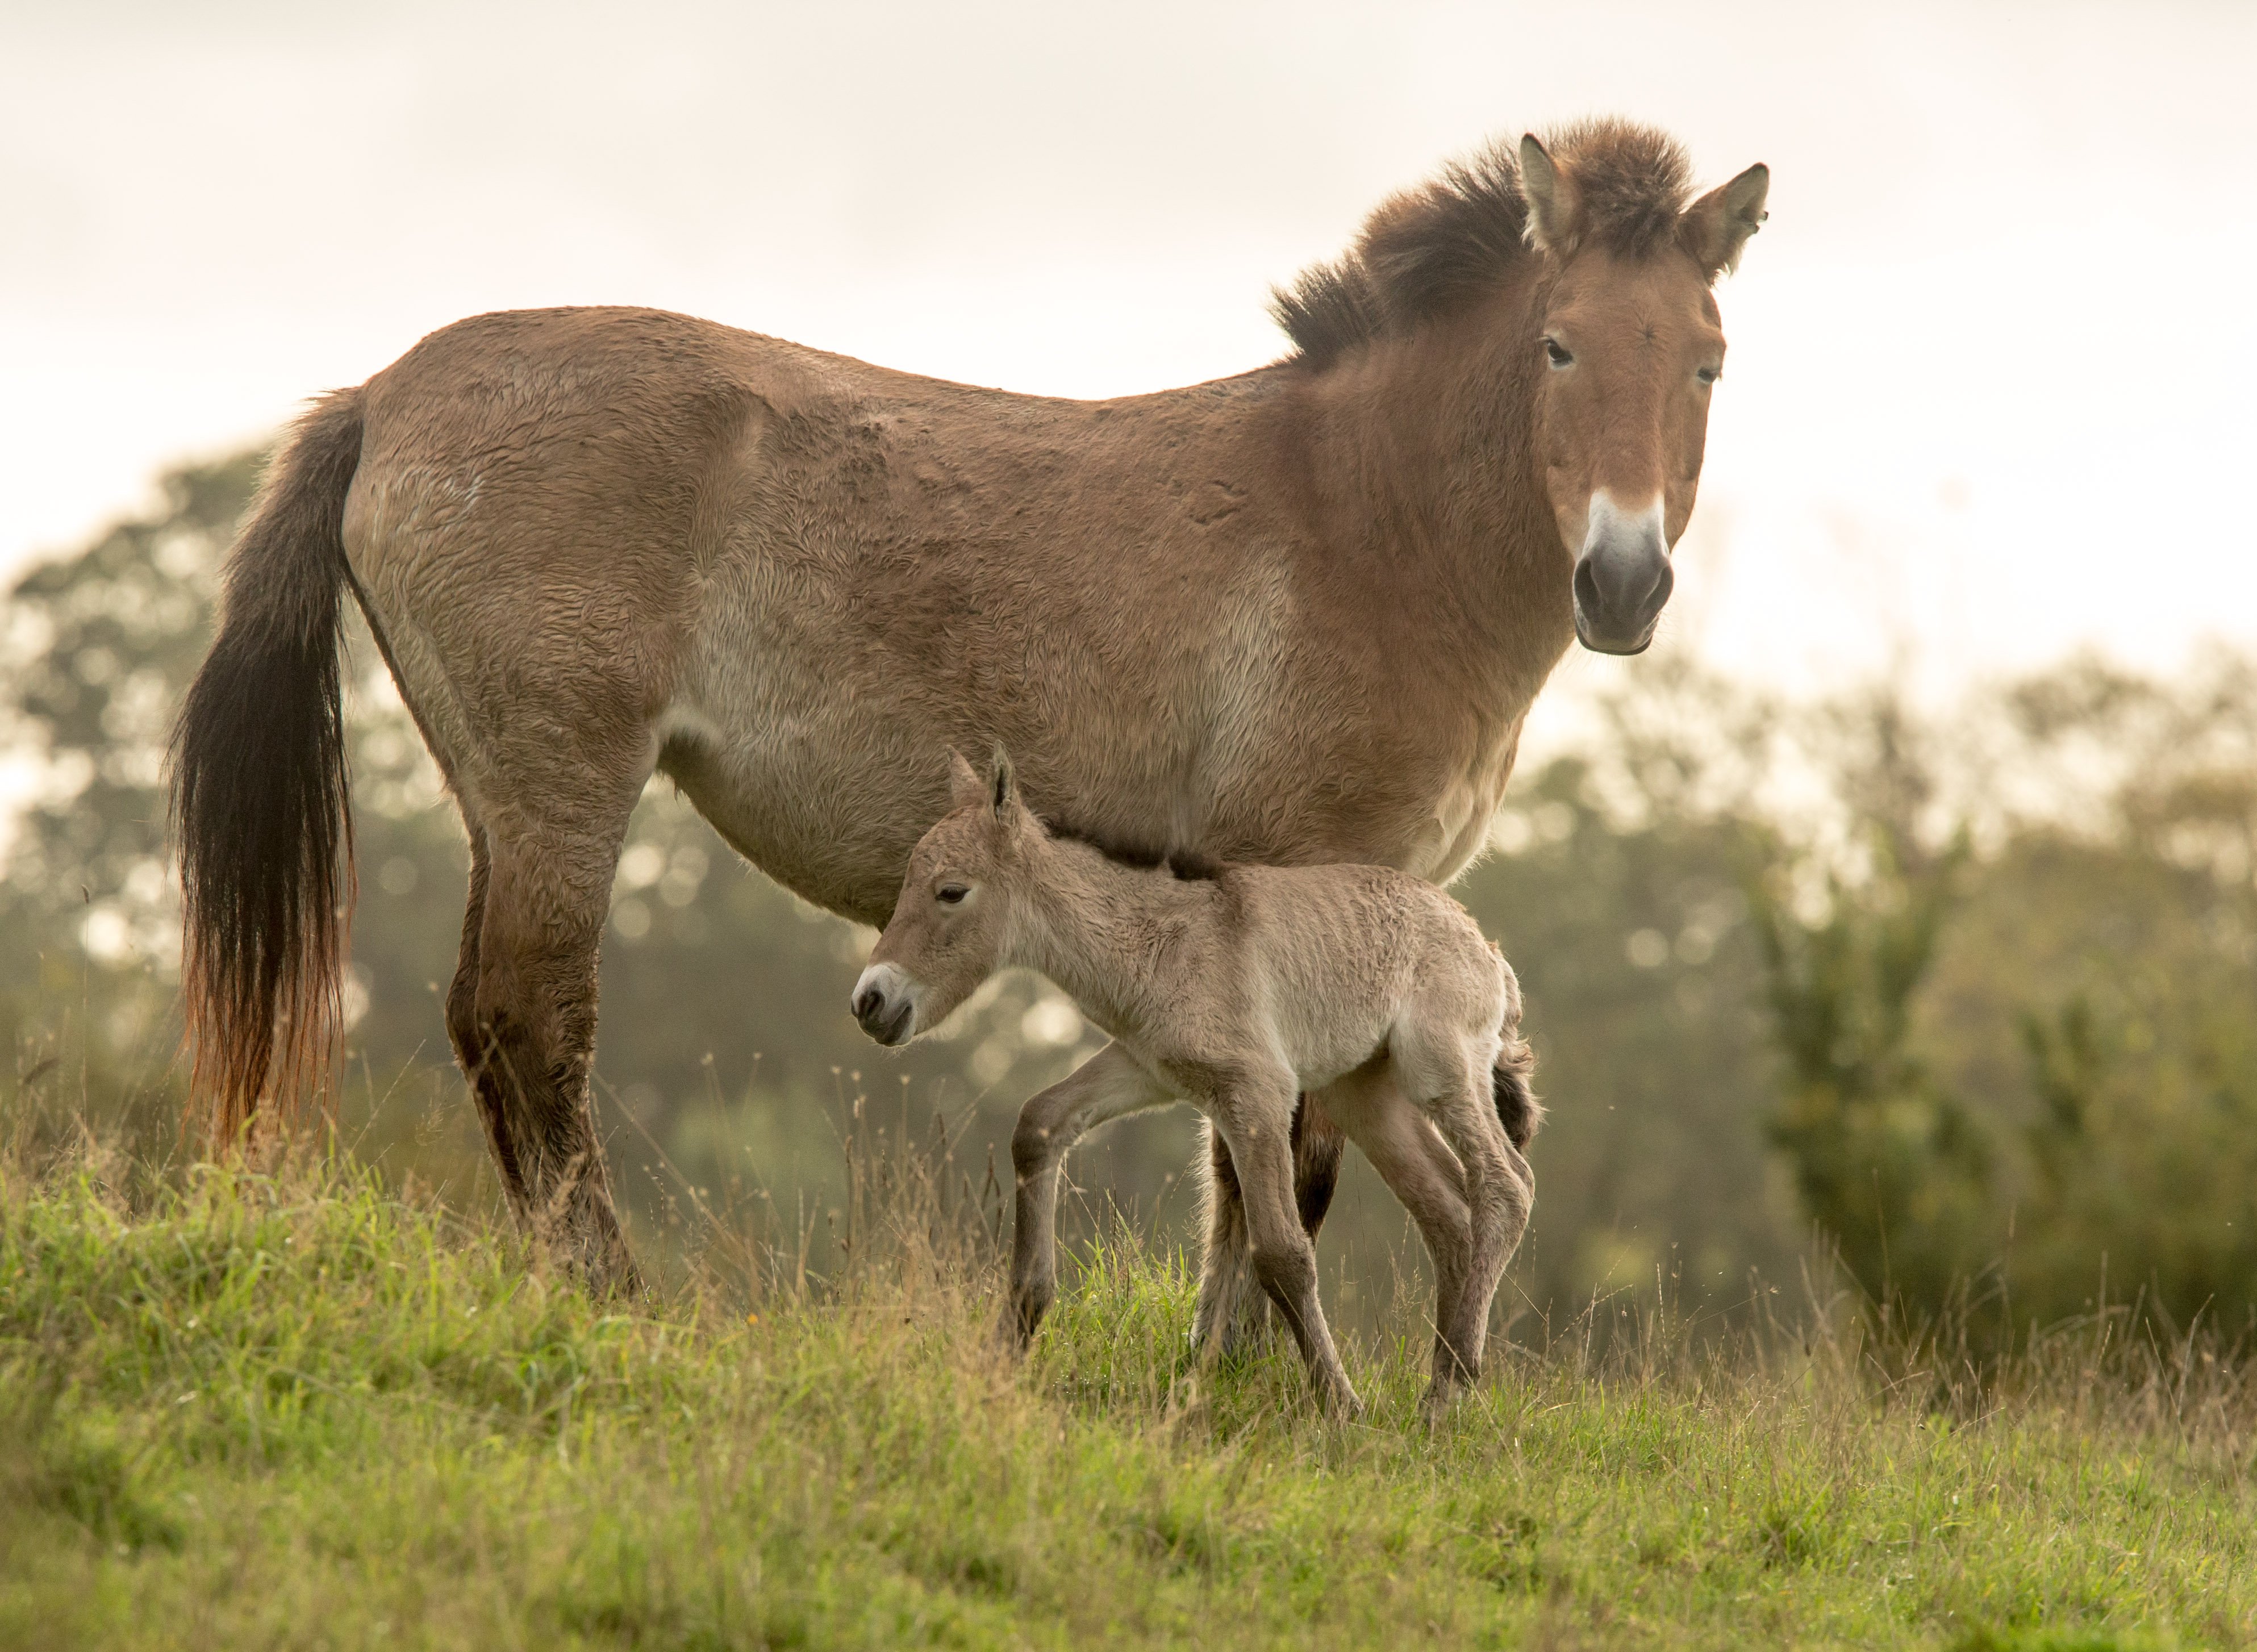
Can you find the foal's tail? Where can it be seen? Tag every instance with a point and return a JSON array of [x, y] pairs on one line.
[[259, 790], [1517, 1110]]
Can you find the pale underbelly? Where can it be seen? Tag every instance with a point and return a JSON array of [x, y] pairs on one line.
[[829, 799], [823, 764], [828, 807]]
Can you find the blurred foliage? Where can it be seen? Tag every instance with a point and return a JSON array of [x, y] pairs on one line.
[[94, 651], [1892, 1166], [1966, 997], [2020, 1074]]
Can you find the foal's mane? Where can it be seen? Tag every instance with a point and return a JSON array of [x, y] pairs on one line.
[[1186, 866], [1465, 233]]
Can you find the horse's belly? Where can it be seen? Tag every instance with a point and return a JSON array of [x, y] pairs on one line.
[[802, 785], [1455, 829], [793, 736]]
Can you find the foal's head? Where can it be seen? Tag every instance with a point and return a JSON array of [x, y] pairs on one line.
[[953, 916], [1582, 268]]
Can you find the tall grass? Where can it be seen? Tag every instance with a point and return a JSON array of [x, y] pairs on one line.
[[281, 1404]]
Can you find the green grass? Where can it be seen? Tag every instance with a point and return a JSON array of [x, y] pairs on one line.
[[293, 1411]]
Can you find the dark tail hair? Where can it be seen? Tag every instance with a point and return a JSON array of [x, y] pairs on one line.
[[1517, 1110], [259, 799]]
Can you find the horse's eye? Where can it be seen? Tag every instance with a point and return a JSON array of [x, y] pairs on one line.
[[1556, 353], [1707, 375], [953, 894]]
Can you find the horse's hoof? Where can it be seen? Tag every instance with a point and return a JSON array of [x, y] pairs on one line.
[[1013, 1334]]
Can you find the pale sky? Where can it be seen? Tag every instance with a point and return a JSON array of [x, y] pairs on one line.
[[1989, 390]]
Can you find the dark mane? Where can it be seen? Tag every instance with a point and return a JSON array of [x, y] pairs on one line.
[[1186, 865], [1466, 233]]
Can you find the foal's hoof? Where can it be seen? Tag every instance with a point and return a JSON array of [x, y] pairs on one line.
[[1344, 1407]]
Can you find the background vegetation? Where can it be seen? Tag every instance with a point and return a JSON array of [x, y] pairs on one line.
[[1891, 1283], [1967, 997]]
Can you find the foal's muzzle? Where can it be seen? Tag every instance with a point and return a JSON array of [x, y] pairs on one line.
[[885, 1002], [1623, 578]]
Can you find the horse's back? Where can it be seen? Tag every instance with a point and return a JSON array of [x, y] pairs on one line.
[[609, 538], [542, 500], [580, 445]]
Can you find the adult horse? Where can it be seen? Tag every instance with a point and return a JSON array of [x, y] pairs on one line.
[[1297, 615]]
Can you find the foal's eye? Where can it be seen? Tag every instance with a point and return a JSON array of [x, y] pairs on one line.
[[953, 894], [1707, 375], [1556, 353]]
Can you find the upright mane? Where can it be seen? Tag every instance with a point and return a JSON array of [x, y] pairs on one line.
[[1186, 865], [1429, 249]]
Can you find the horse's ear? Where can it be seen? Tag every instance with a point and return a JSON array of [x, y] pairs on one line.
[[963, 787], [1005, 796], [1553, 205], [1717, 226]]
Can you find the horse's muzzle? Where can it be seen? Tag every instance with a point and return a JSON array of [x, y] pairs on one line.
[[885, 1004], [1622, 580]]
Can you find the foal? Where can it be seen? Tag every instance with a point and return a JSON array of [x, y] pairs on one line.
[[1237, 993]]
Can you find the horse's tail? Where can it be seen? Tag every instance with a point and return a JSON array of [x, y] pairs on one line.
[[259, 799], [1517, 1110]]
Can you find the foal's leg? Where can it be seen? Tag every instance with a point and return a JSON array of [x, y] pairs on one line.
[[1227, 1318], [522, 1014], [1500, 1191], [1105, 1086], [1244, 1315], [1420, 1170], [1254, 1116]]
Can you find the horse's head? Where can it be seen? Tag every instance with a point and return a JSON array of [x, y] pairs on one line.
[[1631, 345], [953, 915]]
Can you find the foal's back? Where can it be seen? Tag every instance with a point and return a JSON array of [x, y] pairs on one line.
[[1342, 955]]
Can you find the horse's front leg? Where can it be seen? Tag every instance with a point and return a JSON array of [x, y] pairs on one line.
[[1104, 1088]]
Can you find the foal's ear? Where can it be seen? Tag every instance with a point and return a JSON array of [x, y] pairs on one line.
[[1552, 201], [1717, 226], [1005, 795], [964, 786]]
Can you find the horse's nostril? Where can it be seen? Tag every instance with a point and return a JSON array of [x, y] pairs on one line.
[[1587, 587], [1622, 583], [866, 1003], [1659, 595]]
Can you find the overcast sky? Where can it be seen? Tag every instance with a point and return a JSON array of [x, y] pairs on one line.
[[1990, 392]]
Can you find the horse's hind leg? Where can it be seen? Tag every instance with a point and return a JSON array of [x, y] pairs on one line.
[[1500, 1192], [523, 1015], [1447, 1077], [1420, 1170], [463, 1019]]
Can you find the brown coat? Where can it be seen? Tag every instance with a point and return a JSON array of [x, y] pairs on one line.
[[1297, 615]]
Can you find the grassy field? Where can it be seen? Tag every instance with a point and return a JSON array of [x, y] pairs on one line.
[[292, 1410]]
